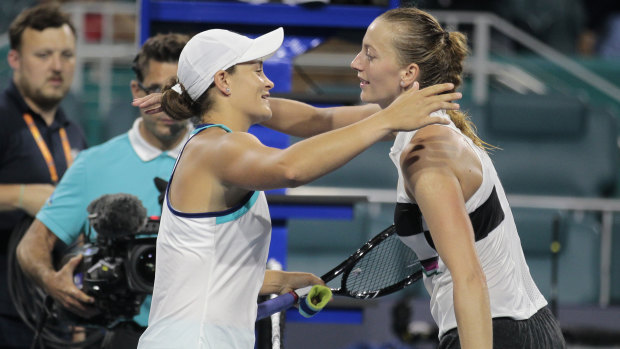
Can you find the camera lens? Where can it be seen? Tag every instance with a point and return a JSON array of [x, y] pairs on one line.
[[142, 268], [145, 264]]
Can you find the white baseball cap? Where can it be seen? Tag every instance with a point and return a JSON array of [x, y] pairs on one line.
[[216, 49]]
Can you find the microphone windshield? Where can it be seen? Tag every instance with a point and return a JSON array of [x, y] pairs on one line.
[[117, 215]]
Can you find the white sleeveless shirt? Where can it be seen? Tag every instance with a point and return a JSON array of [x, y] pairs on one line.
[[209, 269], [512, 291]]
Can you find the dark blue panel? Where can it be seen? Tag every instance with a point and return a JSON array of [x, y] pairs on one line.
[[339, 16], [277, 249], [288, 211], [335, 316]]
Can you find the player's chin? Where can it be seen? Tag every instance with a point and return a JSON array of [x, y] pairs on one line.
[[367, 97], [265, 114], [263, 118]]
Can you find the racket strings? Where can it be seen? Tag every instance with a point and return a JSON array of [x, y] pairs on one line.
[[388, 263]]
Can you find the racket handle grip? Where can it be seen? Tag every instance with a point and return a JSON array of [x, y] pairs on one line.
[[280, 303]]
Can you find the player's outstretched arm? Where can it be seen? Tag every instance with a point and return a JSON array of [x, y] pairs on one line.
[[304, 120]]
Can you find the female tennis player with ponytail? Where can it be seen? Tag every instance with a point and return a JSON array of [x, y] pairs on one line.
[[451, 207], [215, 226]]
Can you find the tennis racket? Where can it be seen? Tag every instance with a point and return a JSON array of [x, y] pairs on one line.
[[383, 265]]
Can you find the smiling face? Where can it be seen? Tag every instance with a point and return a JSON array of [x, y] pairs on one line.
[[44, 65], [377, 65], [249, 91], [158, 129]]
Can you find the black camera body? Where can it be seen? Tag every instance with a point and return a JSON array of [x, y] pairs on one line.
[[118, 268]]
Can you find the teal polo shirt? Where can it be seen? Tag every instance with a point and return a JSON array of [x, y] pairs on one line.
[[124, 164]]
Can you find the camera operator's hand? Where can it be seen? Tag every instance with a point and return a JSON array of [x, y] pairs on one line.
[[60, 286], [34, 254]]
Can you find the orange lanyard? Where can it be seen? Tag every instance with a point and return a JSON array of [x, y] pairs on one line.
[[49, 160]]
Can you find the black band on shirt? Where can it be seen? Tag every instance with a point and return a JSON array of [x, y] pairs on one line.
[[408, 219]]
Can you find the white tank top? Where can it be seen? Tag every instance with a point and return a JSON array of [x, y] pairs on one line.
[[512, 291], [209, 269]]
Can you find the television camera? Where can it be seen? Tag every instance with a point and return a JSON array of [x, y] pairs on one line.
[[118, 265]]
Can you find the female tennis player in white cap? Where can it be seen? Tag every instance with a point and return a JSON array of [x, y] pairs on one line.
[[215, 226]]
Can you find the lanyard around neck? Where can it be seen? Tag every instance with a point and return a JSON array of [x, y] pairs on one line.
[[49, 160]]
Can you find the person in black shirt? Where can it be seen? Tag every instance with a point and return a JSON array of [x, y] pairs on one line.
[[37, 140]]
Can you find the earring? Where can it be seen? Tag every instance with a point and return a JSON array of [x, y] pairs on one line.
[[402, 83], [227, 90]]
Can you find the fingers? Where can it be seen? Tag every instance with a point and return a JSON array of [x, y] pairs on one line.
[[81, 309], [144, 101], [437, 89], [435, 120], [450, 106], [154, 110], [77, 302], [61, 287], [149, 104], [147, 101], [446, 97], [454, 96], [309, 280], [442, 101], [315, 280], [83, 297], [139, 101], [74, 293], [73, 263], [438, 105]]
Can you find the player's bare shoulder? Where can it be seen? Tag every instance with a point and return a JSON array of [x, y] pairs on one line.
[[210, 144], [436, 144], [445, 148]]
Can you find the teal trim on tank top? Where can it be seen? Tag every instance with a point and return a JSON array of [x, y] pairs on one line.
[[240, 212], [205, 126]]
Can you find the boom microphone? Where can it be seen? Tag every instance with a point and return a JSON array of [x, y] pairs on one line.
[[117, 215]]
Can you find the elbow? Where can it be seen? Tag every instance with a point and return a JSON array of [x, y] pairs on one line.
[[291, 171], [20, 252], [293, 177]]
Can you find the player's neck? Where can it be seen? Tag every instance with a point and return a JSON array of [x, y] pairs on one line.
[[237, 124]]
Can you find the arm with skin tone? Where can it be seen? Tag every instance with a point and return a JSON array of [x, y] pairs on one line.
[[429, 170], [30, 198], [303, 120], [291, 117], [280, 282], [241, 153], [300, 119], [34, 254]]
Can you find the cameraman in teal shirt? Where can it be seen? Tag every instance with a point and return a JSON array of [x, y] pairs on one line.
[[125, 164]]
